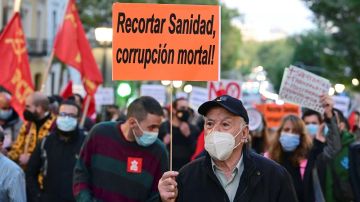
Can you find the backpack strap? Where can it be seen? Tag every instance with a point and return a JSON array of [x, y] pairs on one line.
[[43, 155]]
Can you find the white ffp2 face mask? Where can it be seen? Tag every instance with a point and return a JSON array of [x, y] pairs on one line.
[[220, 145]]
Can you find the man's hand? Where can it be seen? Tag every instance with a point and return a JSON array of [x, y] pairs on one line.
[[24, 159], [328, 103], [185, 129], [168, 187], [166, 139]]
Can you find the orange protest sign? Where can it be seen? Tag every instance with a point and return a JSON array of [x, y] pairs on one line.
[[274, 113], [166, 42]]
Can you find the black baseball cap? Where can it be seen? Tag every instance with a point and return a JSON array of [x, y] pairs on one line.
[[231, 104]]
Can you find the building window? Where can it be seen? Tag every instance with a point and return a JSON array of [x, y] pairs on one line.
[[39, 31], [5, 16], [54, 24]]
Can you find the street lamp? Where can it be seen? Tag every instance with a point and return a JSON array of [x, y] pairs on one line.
[[339, 88], [355, 81], [177, 84], [103, 35], [165, 82], [331, 91], [188, 88]]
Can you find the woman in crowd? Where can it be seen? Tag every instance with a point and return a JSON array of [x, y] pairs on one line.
[[294, 150]]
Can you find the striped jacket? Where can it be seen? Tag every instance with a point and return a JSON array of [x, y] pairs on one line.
[[112, 169]]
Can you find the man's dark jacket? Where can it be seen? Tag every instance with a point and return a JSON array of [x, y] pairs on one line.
[[262, 180], [61, 159]]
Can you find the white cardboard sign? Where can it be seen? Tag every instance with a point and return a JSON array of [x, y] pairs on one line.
[[198, 96], [154, 90], [303, 88], [104, 96], [342, 103]]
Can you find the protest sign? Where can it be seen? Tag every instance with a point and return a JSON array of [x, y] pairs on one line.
[[156, 91], [166, 42], [104, 96], [303, 88], [231, 87], [273, 113], [181, 95], [255, 119], [197, 97], [342, 103]]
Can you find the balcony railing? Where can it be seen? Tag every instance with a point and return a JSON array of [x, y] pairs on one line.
[[37, 47]]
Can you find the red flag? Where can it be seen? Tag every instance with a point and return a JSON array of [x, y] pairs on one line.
[[15, 69], [72, 48], [67, 92], [92, 108]]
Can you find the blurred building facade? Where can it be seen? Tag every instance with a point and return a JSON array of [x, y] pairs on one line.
[[40, 21]]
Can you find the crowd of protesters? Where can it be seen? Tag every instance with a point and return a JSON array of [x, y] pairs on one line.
[[49, 156]]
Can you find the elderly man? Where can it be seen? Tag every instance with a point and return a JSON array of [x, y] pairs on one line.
[[229, 171], [39, 122]]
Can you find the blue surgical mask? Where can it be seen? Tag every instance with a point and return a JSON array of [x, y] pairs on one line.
[[147, 138], [66, 123], [289, 141], [5, 114], [312, 129]]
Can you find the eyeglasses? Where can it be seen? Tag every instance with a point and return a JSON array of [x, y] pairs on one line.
[[64, 114]]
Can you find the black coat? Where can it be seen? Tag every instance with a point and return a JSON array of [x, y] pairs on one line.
[[262, 180], [317, 159], [61, 159], [354, 159]]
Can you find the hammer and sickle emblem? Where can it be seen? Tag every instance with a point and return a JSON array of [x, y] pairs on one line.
[[70, 16], [89, 84], [78, 58], [17, 44]]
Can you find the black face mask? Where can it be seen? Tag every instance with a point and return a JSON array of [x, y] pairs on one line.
[[183, 115], [30, 116]]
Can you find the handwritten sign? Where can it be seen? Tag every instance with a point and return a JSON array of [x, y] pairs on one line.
[[342, 103], [166, 42], [303, 88]]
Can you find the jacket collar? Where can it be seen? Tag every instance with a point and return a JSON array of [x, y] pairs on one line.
[[246, 180]]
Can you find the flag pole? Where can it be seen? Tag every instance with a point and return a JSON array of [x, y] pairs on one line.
[[86, 109], [171, 125], [46, 71], [51, 58], [17, 5]]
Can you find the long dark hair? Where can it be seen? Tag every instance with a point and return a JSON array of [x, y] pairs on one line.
[[301, 152]]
